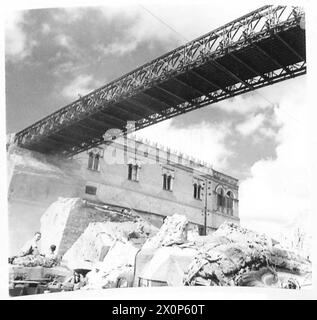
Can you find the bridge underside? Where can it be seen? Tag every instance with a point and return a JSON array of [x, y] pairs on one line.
[[262, 60]]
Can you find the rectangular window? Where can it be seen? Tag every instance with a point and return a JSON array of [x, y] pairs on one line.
[[91, 190]]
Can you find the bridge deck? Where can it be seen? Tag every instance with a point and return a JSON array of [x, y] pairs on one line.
[[261, 48]]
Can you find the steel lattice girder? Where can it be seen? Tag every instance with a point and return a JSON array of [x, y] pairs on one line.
[[248, 31]]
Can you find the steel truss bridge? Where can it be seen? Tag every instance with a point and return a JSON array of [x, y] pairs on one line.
[[263, 47]]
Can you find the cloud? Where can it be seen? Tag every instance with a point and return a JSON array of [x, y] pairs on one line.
[[244, 104], [119, 48], [252, 124], [154, 21], [277, 192], [143, 27], [64, 41], [205, 141], [267, 132], [46, 29], [81, 85], [16, 46], [69, 15], [131, 26]]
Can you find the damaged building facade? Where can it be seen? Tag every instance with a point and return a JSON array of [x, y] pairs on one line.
[[156, 182], [127, 173]]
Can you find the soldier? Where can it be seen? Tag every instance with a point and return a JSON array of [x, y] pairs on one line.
[[31, 246]]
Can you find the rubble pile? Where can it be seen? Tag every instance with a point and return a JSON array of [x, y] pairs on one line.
[[236, 233], [109, 277], [125, 250], [289, 260], [235, 256], [118, 264], [102, 238], [110, 248], [172, 232]]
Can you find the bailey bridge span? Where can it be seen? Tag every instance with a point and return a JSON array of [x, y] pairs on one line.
[[261, 48]]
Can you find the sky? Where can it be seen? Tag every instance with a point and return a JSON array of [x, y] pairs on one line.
[[54, 55]]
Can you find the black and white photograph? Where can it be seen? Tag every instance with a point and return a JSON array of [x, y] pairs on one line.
[[157, 146]]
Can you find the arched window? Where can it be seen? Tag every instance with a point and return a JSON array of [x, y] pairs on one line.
[[93, 161], [167, 182], [230, 199], [197, 191], [220, 198], [133, 173]]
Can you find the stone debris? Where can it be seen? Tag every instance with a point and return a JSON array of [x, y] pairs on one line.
[[235, 256], [109, 278], [66, 220], [172, 232], [111, 248], [236, 233], [119, 261], [113, 243], [108, 249]]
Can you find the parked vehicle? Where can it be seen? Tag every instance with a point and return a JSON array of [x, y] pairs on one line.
[[165, 266], [35, 280]]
